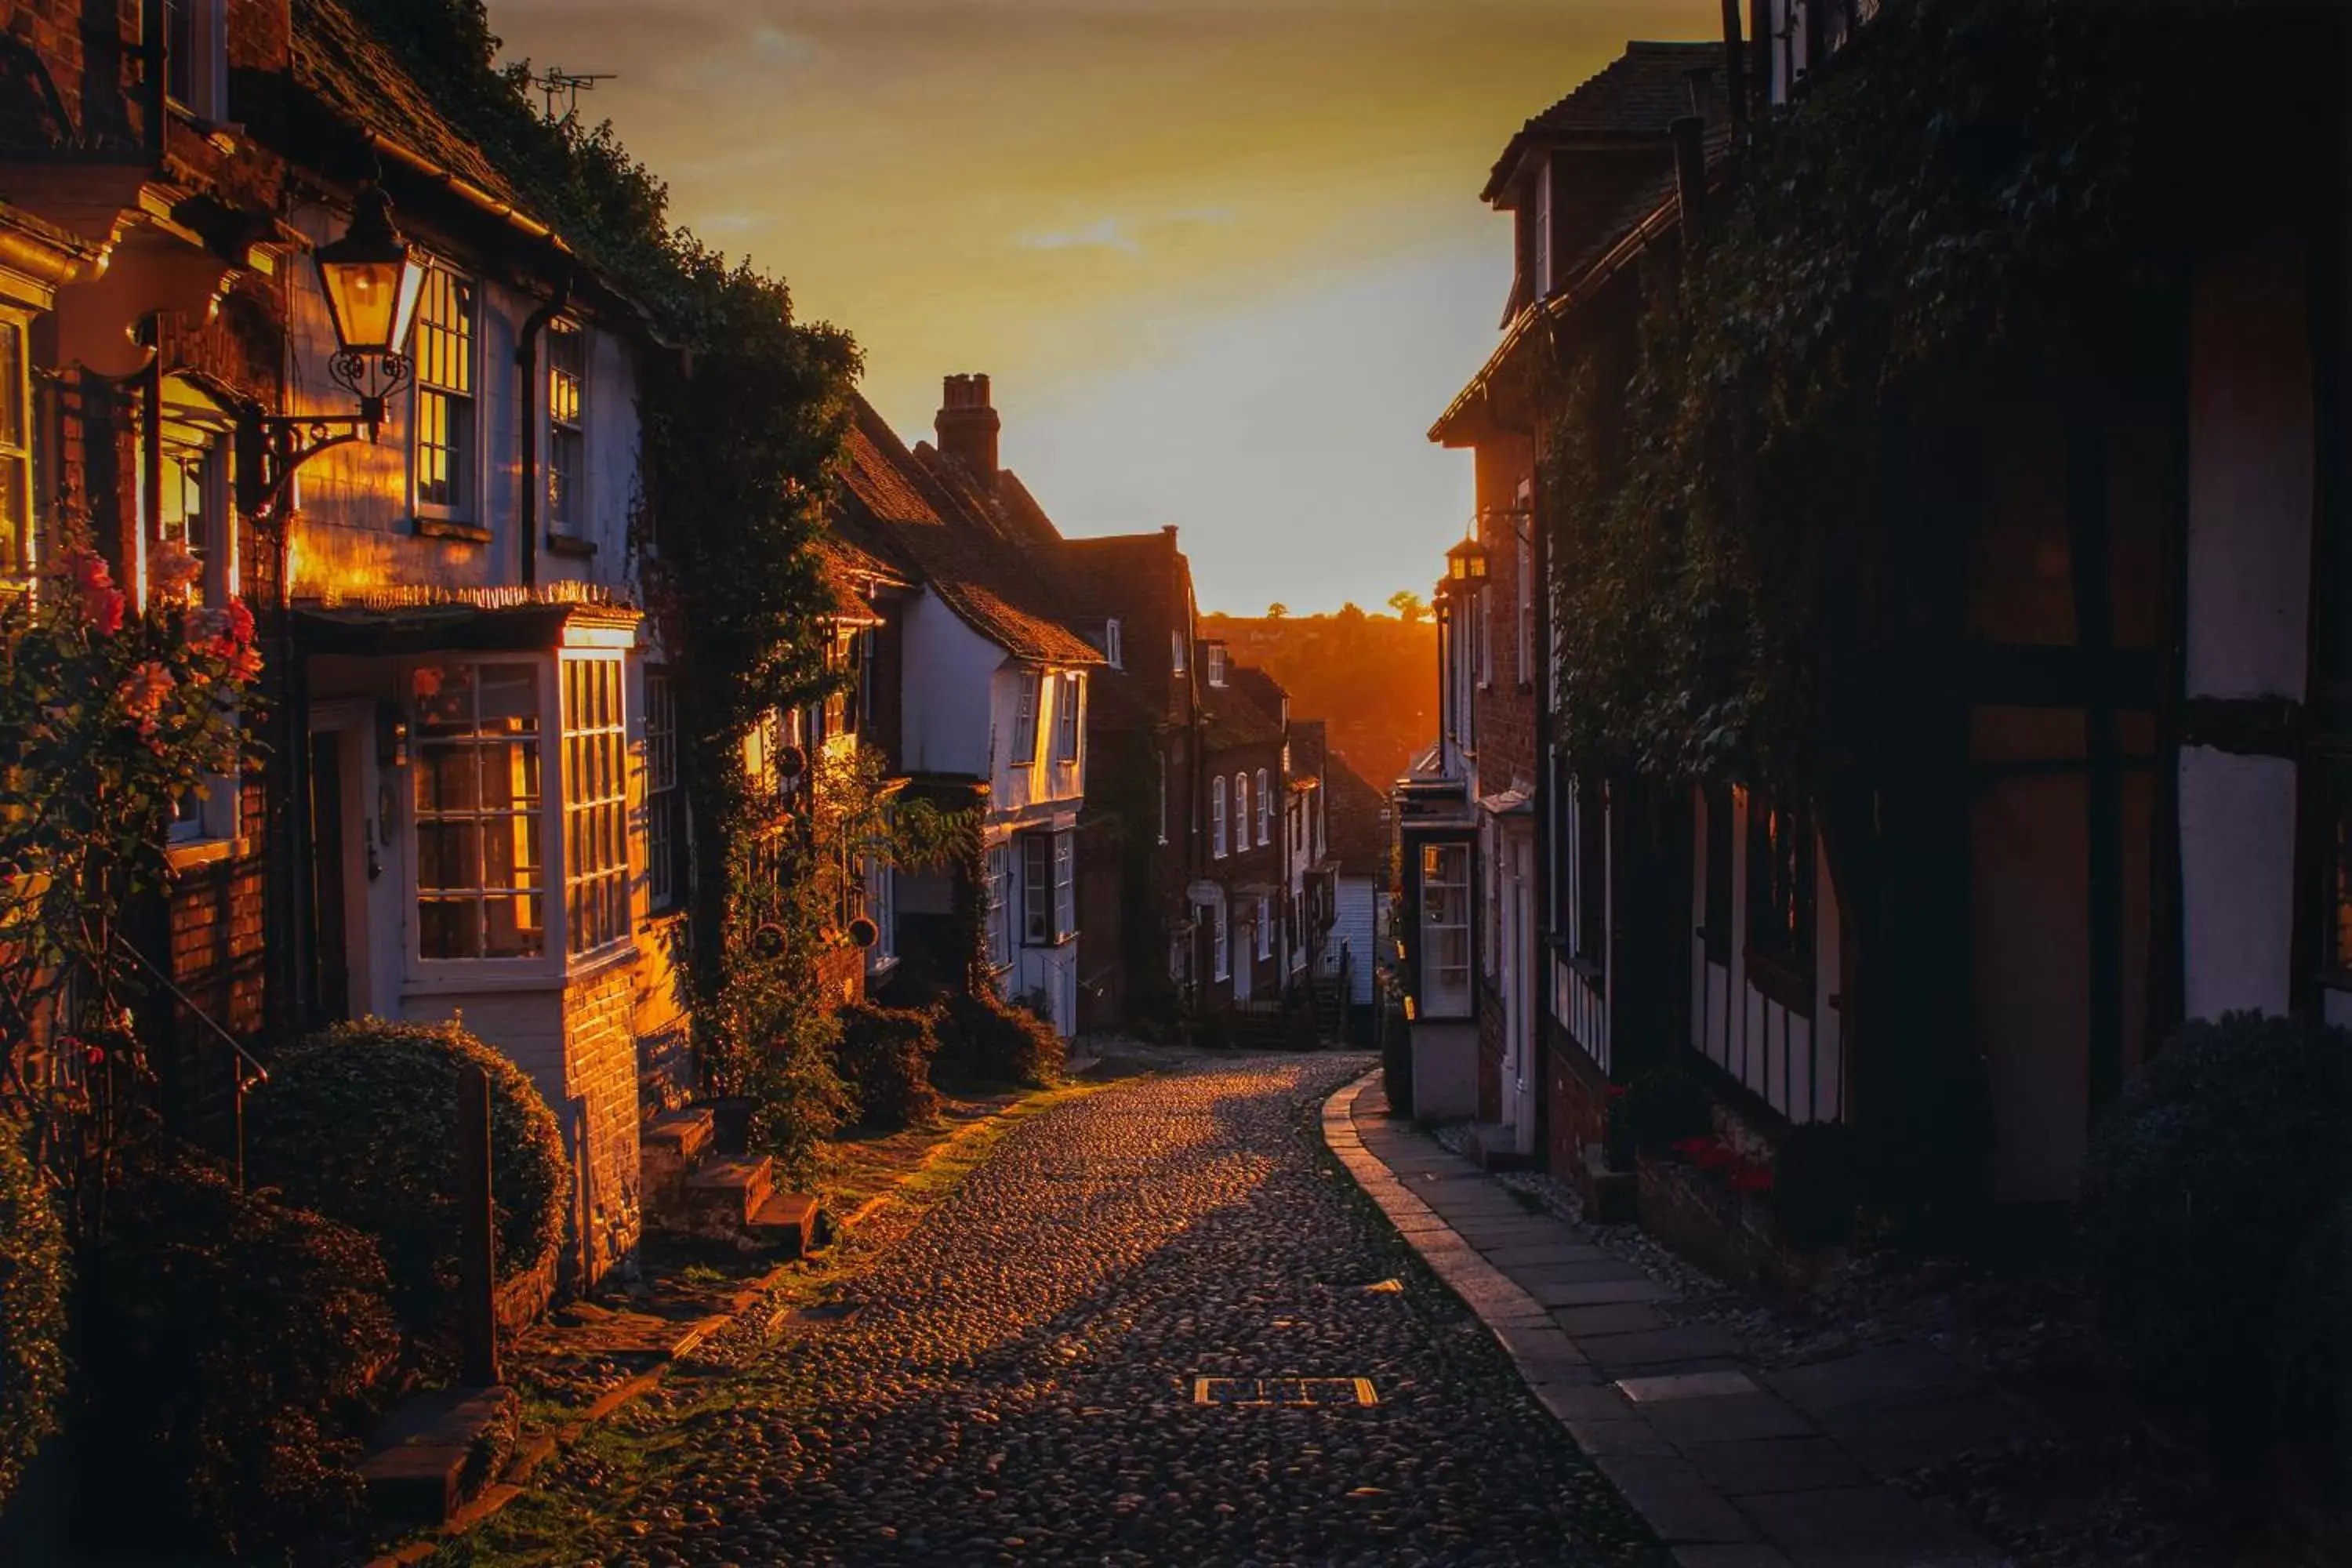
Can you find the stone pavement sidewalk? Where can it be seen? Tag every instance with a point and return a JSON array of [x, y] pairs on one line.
[[1733, 1467]]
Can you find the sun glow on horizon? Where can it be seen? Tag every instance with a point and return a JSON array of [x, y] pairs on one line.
[[1224, 262]]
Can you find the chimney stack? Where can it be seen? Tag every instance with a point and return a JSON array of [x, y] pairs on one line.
[[968, 427]]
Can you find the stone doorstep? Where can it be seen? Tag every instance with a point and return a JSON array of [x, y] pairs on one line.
[[787, 1220], [415, 1474], [726, 1193]]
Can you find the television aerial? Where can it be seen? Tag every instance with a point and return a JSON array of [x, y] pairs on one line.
[[555, 81]]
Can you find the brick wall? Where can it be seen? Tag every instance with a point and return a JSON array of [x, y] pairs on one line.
[[1493, 1028], [601, 1119], [1576, 1102]]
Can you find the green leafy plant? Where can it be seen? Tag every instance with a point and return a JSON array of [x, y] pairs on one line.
[[2219, 1175], [233, 1352], [32, 1289], [359, 1122], [110, 713], [986, 1039], [885, 1057]]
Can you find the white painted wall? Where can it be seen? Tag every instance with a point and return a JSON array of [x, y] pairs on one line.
[[950, 718], [2237, 880], [1357, 924]]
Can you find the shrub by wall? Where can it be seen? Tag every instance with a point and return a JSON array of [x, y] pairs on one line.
[[2216, 1182], [33, 1277], [989, 1040], [1656, 1109], [361, 1124], [884, 1056], [232, 1353]]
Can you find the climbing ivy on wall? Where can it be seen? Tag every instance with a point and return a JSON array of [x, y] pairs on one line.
[[1980, 191], [744, 409]]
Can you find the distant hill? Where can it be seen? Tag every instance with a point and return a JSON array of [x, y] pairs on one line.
[[1372, 679]]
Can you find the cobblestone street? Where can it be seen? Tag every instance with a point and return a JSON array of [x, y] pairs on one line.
[[1017, 1382]]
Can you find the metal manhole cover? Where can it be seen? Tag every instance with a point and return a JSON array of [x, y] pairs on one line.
[[1290, 1391]]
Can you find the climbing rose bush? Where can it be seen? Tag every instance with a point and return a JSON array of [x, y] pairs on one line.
[[110, 712]]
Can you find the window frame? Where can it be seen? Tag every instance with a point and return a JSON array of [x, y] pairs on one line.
[[995, 899], [1241, 812], [1037, 889], [202, 94], [1265, 927], [464, 505], [1217, 817], [567, 496], [196, 430], [1028, 694], [1069, 730], [665, 808], [18, 534], [1113, 654], [593, 685], [1781, 952], [1265, 811], [1221, 939], [535, 813], [1216, 666], [1178, 663]]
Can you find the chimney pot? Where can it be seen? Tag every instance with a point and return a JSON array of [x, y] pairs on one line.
[[967, 425]]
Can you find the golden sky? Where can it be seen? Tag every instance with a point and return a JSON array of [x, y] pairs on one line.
[[1224, 258]]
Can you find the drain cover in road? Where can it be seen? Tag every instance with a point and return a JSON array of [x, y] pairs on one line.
[[1283, 1391]]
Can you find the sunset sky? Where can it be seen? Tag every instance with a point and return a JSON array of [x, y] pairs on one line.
[[1224, 258]]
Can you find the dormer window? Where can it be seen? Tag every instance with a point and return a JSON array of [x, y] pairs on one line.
[[1216, 665]]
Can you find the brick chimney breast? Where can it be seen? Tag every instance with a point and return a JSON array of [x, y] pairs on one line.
[[968, 426]]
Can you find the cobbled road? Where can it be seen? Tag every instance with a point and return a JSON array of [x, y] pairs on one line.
[[1017, 1385]]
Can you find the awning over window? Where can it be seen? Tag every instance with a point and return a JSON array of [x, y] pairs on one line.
[[463, 628]]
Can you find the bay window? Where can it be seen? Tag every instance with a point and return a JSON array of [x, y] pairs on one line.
[[15, 453], [1048, 906], [479, 872], [1000, 931], [595, 804]]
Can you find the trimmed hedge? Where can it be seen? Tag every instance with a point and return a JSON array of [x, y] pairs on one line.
[[234, 1352], [2213, 1222], [884, 1056], [33, 1287], [989, 1040], [361, 1124]]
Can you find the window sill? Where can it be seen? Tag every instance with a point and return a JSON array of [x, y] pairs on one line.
[[1776, 981], [566, 545], [448, 528], [191, 853]]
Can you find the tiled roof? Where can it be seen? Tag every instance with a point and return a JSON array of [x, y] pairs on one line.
[[1244, 711], [1308, 746], [890, 505], [1635, 97], [359, 82], [1357, 824]]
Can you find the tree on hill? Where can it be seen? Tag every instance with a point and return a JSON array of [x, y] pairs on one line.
[[1408, 605]]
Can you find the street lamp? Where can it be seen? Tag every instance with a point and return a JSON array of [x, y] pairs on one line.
[[371, 279], [1465, 564]]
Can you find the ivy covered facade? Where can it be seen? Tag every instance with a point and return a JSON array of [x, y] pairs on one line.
[[1937, 492]]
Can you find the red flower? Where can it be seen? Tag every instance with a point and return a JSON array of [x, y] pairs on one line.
[[1616, 1091], [1690, 1148], [102, 601], [1754, 1179], [1714, 1157], [240, 621]]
